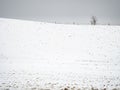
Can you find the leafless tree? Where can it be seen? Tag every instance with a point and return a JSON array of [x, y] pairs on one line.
[[93, 20]]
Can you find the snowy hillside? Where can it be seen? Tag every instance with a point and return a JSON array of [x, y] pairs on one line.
[[55, 56]]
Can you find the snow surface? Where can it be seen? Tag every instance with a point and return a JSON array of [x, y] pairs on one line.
[[41, 56]]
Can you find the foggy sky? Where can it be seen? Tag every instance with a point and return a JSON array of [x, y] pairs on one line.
[[62, 11]]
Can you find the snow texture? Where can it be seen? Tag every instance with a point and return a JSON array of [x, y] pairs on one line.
[[47, 56]]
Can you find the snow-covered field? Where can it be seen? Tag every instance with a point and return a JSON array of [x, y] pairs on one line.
[[46, 56]]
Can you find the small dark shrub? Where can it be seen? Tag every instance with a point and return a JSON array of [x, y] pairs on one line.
[[65, 89]]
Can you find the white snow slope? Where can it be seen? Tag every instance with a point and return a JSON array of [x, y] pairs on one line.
[[40, 56]]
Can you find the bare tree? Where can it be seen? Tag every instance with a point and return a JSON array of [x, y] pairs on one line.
[[93, 20], [108, 23]]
